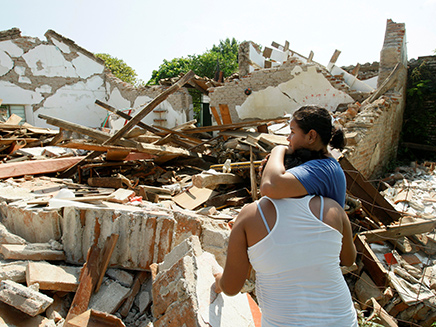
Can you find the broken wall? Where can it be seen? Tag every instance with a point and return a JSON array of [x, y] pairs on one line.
[[58, 78], [376, 128], [294, 80], [274, 92], [146, 234]]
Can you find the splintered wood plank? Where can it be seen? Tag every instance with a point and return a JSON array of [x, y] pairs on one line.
[[215, 115], [96, 260], [87, 281], [139, 280], [398, 231], [106, 254], [36, 167], [234, 126], [374, 204], [94, 318], [117, 154], [225, 114], [94, 147], [193, 197], [14, 119]]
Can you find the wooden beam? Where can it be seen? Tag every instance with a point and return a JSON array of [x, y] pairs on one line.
[[105, 257], [138, 117], [139, 280], [36, 167], [127, 117], [150, 106], [225, 114], [91, 132], [387, 84], [205, 180], [90, 276], [398, 231], [215, 115], [172, 131], [374, 204], [253, 179], [335, 56], [370, 261], [234, 126]]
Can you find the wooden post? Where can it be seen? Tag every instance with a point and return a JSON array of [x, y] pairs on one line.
[[253, 176]]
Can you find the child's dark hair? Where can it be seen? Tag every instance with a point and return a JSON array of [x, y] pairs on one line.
[[301, 156], [320, 120]]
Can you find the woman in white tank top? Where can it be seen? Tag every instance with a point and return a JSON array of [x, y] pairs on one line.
[[297, 257], [296, 246]]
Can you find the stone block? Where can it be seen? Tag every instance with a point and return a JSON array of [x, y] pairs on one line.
[[109, 297], [7, 237], [11, 317], [23, 298], [183, 294], [34, 225], [53, 277], [35, 251], [15, 271], [144, 236], [123, 277], [121, 195]]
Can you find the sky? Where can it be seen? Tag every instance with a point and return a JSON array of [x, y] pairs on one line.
[[143, 33]]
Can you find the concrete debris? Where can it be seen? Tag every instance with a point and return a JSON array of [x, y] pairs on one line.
[[125, 222], [23, 298], [183, 291]]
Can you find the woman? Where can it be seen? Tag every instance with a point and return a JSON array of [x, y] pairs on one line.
[[311, 128], [295, 245]]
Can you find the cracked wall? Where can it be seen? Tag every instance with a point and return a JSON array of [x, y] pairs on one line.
[[373, 128], [279, 90], [58, 78], [378, 124]]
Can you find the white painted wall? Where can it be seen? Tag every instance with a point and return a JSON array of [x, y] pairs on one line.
[[66, 88], [76, 103], [352, 81], [173, 117], [305, 88]]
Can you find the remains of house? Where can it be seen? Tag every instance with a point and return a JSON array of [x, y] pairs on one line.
[[126, 224]]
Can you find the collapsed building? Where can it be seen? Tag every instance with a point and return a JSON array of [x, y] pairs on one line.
[[142, 249]]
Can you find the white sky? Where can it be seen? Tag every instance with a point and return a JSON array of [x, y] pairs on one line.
[[143, 33]]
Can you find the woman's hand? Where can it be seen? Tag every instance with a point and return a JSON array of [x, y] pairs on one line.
[[217, 283]]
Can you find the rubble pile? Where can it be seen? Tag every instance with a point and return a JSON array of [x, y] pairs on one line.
[[128, 227], [124, 203]]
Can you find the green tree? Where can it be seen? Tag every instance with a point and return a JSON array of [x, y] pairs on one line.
[[119, 68], [170, 69], [225, 54]]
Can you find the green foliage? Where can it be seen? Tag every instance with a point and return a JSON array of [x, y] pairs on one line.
[[120, 69], [196, 102], [224, 55], [421, 87]]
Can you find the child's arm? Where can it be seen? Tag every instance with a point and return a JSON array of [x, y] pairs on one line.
[[276, 183]]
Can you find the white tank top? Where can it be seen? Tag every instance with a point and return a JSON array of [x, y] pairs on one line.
[[298, 277]]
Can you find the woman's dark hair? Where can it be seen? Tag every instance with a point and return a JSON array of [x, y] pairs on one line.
[[320, 120], [300, 156]]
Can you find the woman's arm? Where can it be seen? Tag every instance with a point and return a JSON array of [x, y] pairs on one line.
[[237, 263], [276, 183], [348, 250]]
